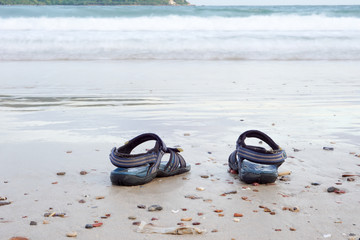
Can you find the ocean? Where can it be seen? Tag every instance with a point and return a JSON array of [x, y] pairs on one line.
[[179, 33]]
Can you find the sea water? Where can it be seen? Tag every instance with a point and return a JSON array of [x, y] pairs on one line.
[[101, 73], [180, 33]]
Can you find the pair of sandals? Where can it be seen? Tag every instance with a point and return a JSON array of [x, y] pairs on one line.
[[252, 163]]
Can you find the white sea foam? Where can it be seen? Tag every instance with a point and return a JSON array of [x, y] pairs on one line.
[[285, 37]]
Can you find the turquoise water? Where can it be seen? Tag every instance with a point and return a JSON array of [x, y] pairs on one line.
[[179, 33]]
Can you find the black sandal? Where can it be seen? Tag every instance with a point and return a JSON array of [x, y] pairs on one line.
[[138, 169], [256, 164]]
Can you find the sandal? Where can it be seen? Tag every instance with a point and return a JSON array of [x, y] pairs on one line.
[[253, 163], [138, 169]]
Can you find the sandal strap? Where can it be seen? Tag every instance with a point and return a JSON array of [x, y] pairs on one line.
[[259, 154], [175, 161], [122, 157]]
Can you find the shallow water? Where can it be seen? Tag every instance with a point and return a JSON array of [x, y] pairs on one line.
[[108, 101]]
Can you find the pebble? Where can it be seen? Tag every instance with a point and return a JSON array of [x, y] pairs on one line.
[[192, 197], [195, 223], [153, 208], [315, 184], [200, 188], [218, 210], [328, 148], [88, 226], [204, 176], [3, 198], [4, 203], [238, 215], [294, 209], [82, 201], [187, 219], [99, 197], [72, 234], [60, 173], [132, 218], [98, 224], [33, 223], [186, 134], [142, 206], [350, 179], [214, 230], [332, 189], [83, 172], [292, 229], [154, 219], [136, 223], [46, 222], [18, 238], [277, 230], [236, 219]]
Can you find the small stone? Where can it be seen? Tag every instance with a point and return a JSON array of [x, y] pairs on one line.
[[68, 151], [46, 222], [328, 148], [200, 214], [292, 229], [200, 188], [4, 203], [221, 215], [186, 219], [153, 208], [99, 197], [218, 210], [72, 234], [184, 209], [195, 223], [272, 213], [186, 134], [315, 184], [154, 219], [204, 176], [296, 150], [3, 198], [214, 230], [136, 223], [83, 172], [350, 179], [236, 219], [142, 206], [238, 215], [18, 238], [98, 224], [332, 189], [88, 226], [277, 230], [82, 201], [60, 173], [54, 183], [294, 209], [33, 223], [132, 218]]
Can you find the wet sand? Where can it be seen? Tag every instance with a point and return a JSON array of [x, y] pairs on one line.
[[66, 117]]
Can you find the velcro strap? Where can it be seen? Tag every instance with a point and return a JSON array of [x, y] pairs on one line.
[[274, 157], [131, 160]]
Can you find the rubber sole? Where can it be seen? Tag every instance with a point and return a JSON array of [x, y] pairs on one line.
[[130, 180]]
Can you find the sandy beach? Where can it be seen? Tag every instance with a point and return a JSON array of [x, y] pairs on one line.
[[65, 116]]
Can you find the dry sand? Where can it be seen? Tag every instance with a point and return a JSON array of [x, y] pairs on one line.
[[201, 106]]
